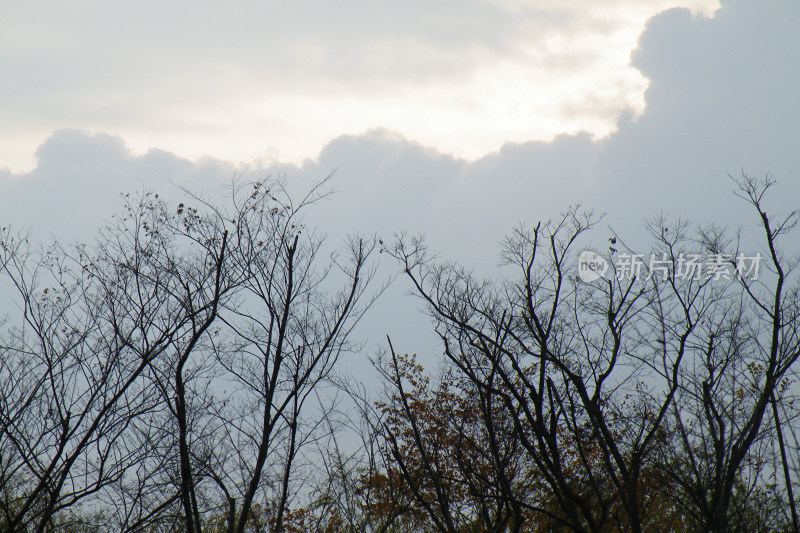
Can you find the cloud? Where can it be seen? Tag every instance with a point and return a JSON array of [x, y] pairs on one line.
[[246, 79], [79, 177], [721, 98]]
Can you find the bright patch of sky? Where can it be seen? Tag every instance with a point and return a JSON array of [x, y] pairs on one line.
[[276, 81]]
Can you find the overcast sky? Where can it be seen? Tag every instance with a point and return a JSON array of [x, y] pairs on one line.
[[456, 118]]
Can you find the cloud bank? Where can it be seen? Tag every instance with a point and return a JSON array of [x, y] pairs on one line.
[[721, 99], [274, 79]]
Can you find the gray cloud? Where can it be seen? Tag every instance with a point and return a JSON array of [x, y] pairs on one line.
[[76, 185], [721, 99]]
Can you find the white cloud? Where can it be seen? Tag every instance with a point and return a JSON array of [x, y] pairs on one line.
[[247, 79]]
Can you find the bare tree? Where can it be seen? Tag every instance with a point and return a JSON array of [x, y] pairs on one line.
[[274, 345], [177, 374], [622, 392], [76, 368], [749, 345], [165, 373]]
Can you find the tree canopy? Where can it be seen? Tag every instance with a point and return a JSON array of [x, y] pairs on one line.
[[182, 373]]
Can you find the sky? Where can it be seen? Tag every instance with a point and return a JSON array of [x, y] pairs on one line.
[[456, 119]]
